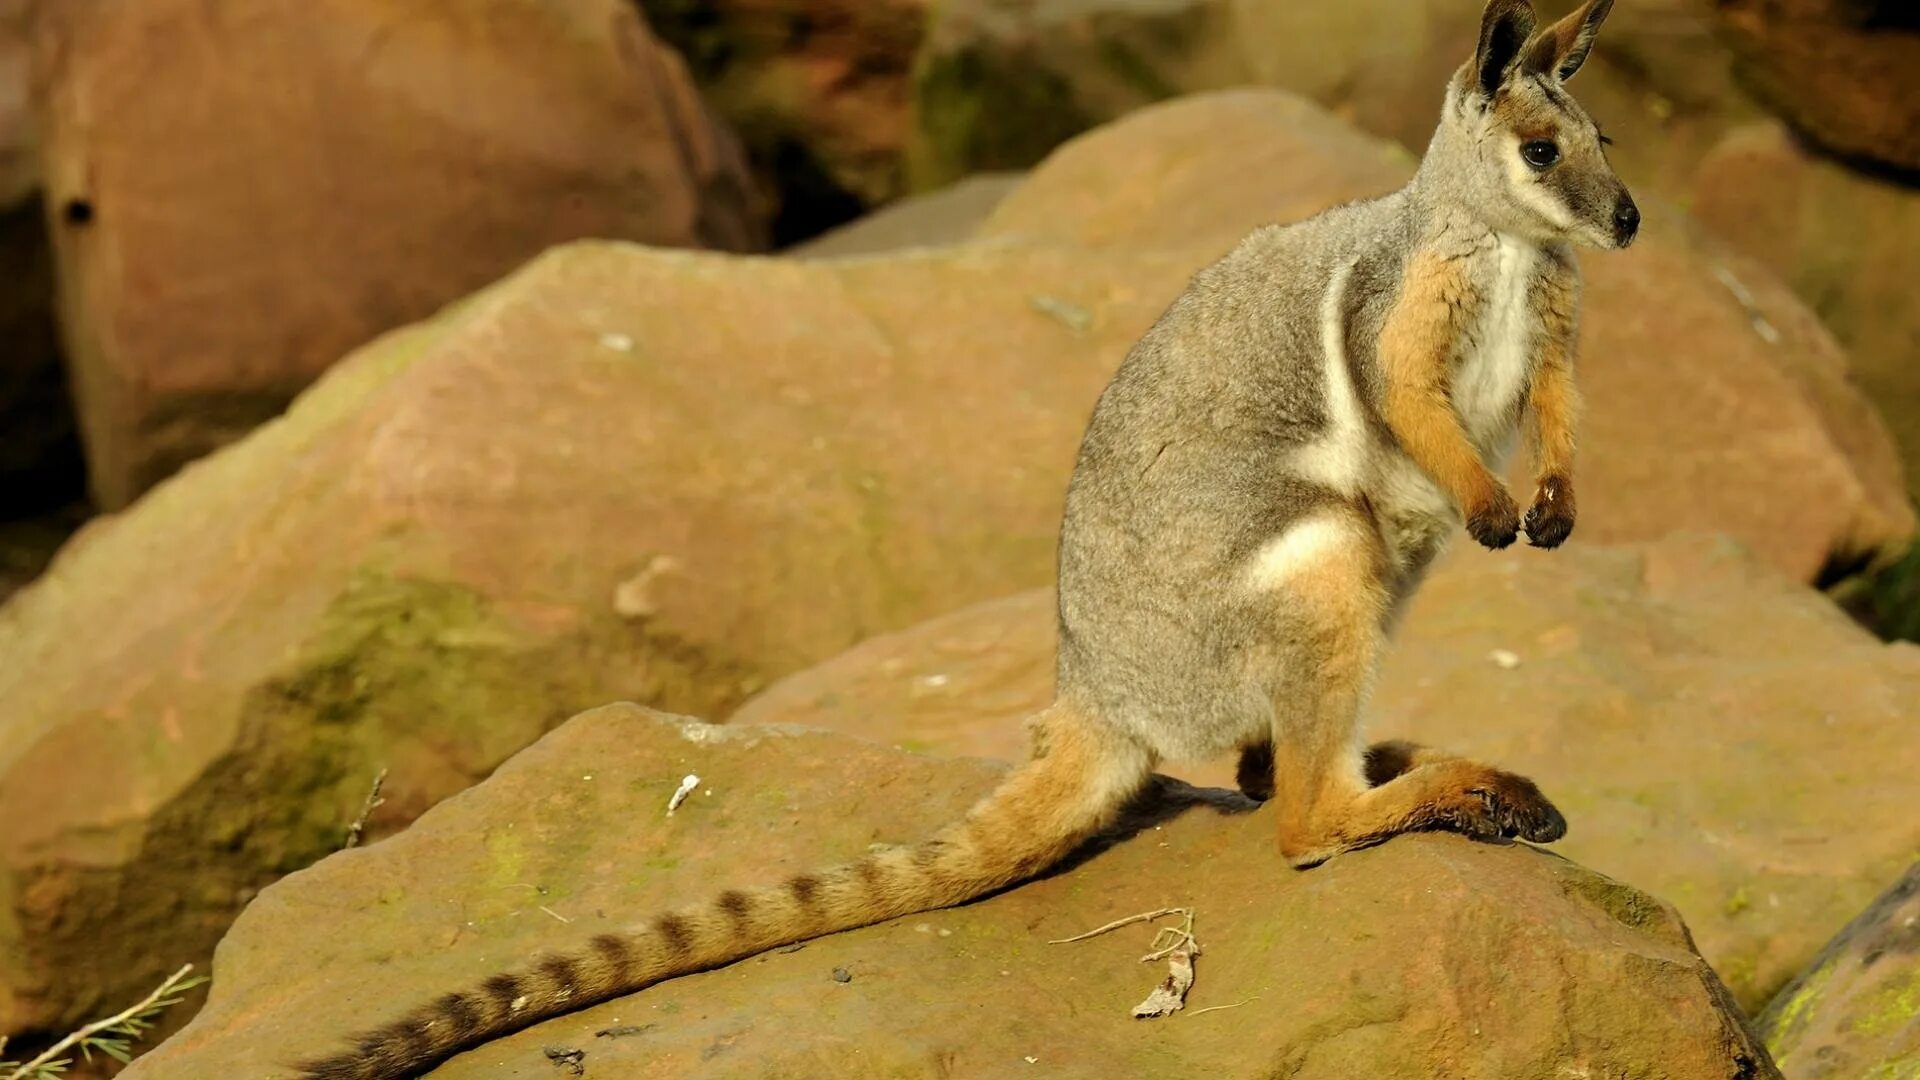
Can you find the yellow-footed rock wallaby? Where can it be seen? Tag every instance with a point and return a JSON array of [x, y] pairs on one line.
[[1263, 484]]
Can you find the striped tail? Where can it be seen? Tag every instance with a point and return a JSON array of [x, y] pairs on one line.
[[1075, 784]]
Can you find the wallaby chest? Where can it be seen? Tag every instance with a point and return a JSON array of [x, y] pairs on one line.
[[1493, 362]]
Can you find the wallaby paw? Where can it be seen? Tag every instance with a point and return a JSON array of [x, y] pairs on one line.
[[1550, 519], [1495, 522], [1501, 805]]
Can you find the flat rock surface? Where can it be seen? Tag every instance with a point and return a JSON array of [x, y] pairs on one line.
[[1713, 731], [1429, 956]]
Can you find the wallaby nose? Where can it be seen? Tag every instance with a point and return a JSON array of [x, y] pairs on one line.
[[1626, 220]]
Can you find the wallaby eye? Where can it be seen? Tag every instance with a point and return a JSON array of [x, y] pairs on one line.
[[1540, 153]]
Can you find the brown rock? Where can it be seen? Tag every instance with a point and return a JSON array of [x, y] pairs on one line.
[[1711, 729], [670, 477], [1846, 73], [622, 473], [1856, 1011], [1429, 956], [241, 194], [1847, 242]]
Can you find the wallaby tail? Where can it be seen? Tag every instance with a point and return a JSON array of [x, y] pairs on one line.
[[1076, 782]]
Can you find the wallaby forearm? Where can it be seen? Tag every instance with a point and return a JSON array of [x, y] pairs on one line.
[[1416, 347], [1555, 405]]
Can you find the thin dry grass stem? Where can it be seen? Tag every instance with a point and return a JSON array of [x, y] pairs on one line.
[[367, 808], [112, 1036]]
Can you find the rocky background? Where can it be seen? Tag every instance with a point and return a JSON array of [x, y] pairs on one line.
[[418, 376]]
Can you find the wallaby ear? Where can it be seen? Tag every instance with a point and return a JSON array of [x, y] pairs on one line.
[[1563, 47], [1504, 28]]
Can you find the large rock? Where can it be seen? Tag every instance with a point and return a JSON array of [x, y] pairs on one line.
[[672, 477], [1856, 1010], [242, 193], [1713, 730], [1430, 956], [1844, 72], [1847, 242], [623, 473]]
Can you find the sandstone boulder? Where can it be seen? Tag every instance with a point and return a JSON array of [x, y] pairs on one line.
[[1856, 1011], [1711, 729], [671, 477], [1846, 241], [241, 194], [623, 473], [1844, 72], [1430, 956]]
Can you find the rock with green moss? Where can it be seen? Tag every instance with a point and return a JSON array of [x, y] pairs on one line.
[[1427, 956], [1855, 1013], [1715, 732], [622, 473]]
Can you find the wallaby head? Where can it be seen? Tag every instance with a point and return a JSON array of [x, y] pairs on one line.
[[1515, 149]]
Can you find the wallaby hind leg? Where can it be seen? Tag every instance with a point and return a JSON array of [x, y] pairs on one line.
[[1384, 761], [1394, 757], [1324, 791]]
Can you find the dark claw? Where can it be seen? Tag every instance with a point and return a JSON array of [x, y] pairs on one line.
[[1550, 519]]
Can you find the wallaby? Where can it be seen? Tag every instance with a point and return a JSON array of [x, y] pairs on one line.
[[1262, 485]]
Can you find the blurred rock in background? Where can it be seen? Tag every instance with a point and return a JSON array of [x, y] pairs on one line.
[[242, 193], [1845, 73], [817, 89]]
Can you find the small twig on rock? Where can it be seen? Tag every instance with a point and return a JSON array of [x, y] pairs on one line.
[[367, 808], [1174, 944], [1145, 916]]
